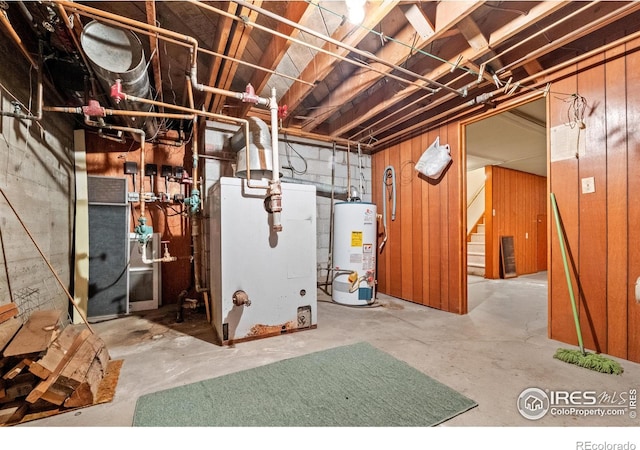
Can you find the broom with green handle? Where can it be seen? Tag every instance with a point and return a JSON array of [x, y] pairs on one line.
[[579, 357]]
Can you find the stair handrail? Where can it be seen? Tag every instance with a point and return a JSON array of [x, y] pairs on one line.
[[475, 195]]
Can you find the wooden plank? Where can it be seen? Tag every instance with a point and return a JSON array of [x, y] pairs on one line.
[[19, 387], [36, 335], [55, 353], [323, 63], [17, 369], [489, 254], [426, 228], [43, 386], [417, 148], [617, 204], [394, 244], [8, 330], [592, 208], [76, 370], [86, 393], [563, 179], [456, 201], [8, 311], [435, 235], [457, 298], [403, 185], [633, 162], [13, 412]]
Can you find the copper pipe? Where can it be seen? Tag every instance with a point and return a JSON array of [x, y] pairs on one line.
[[328, 39], [12, 33], [80, 8], [322, 50], [604, 20], [74, 37], [120, 112]]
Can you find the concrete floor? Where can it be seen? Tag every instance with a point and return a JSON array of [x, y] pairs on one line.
[[491, 354]]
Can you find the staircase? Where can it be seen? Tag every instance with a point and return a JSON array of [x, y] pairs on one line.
[[475, 250]]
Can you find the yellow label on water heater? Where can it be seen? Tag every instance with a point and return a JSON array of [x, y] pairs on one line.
[[356, 238]]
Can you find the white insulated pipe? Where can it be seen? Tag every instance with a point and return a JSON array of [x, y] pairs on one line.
[[275, 187]]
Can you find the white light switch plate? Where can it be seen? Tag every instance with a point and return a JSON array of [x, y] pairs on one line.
[[588, 185]]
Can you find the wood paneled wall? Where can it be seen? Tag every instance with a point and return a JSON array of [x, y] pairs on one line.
[[603, 227], [422, 261], [423, 257], [513, 202]]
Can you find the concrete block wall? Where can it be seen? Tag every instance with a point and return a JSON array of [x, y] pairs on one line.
[[304, 160], [37, 176], [323, 167]]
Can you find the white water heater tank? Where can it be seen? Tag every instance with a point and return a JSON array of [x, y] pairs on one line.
[[354, 253]]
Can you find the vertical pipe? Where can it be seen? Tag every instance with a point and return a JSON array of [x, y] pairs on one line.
[[360, 175], [273, 105], [348, 172], [275, 188], [5, 21]]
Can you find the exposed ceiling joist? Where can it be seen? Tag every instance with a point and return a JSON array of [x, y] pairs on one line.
[[375, 82]]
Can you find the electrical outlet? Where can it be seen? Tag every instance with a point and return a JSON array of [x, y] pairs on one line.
[[588, 185]]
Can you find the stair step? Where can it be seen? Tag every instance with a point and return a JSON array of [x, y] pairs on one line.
[[475, 259], [480, 229], [477, 237], [477, 247], [477, 271], [473, 264]]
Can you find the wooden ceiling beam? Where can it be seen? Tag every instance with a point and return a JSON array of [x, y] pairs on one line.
[[222, 32], [378, 102], [447, 15], [277, 48], [236, 41], [362, 78], [322, 63], [150, 7]]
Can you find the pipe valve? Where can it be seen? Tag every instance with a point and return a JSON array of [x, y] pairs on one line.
[[193, 201], [93, 109], [143, 231], [116, 91]]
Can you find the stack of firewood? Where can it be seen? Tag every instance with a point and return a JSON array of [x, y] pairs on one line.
[[47, 366]]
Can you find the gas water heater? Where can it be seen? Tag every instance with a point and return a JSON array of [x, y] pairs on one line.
[[354, 253]]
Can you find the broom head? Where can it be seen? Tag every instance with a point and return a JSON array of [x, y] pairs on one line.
[[588, 360]]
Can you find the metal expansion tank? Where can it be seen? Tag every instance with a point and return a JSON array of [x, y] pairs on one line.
[[354, 253]]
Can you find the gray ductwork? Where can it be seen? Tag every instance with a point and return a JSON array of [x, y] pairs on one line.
[[260, 151], [322, 189], [116, 53]]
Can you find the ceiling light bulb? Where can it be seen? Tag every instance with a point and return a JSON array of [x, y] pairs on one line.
[[355, 10]]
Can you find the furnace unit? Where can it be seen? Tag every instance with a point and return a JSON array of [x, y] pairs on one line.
[[263, 283]]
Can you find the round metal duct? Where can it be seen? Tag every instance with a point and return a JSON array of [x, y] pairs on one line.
[[116, 53]]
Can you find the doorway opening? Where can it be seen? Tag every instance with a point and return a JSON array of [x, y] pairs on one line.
[[506, 197]]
